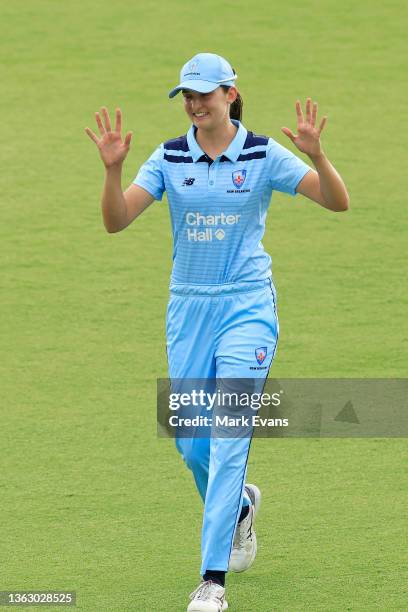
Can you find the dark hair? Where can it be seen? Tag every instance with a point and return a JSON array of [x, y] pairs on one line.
[[236, 106]]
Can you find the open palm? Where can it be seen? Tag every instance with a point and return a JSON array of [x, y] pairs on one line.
[[111, 147], [307, 138]]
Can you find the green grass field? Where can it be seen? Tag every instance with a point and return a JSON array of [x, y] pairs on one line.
[[91, 500]]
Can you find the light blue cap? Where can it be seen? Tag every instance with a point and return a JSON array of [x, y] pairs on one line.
[[204, 73]]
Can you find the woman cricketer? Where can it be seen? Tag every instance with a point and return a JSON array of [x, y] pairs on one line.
[[221, 318]]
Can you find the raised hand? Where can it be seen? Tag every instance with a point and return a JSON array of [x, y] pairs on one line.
[[307, 139], [111, 147]]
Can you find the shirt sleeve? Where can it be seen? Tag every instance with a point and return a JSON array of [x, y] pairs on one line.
[[285, 169], [150, 175]]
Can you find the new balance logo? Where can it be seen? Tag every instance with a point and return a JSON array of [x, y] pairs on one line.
[[188, 181]]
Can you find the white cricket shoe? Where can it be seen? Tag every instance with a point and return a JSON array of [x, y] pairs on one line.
[[208, 597], [244, 546]]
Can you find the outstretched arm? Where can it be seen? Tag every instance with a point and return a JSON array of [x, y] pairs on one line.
[[119, 208], [323, 185]]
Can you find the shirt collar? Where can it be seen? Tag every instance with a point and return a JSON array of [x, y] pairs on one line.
[[233, 151]]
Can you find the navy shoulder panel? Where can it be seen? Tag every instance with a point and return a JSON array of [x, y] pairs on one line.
[[255, 140], [177, 144]]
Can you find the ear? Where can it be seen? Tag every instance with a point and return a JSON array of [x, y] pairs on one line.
[[232, 94]]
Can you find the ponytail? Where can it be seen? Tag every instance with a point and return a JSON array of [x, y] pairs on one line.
[[236, 106]]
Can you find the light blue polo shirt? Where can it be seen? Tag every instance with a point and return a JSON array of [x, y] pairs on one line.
[[218, 208]]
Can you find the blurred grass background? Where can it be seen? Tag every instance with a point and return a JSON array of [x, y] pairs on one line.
[[91, 499]]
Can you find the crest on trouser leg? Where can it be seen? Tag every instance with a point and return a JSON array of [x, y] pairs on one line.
[[260, 354]]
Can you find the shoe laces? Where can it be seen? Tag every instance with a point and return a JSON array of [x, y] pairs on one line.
[[205, 590]]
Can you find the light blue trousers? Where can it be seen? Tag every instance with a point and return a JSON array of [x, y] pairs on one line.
[[220, 332]]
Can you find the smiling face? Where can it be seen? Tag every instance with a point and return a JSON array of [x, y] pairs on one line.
[[209, 111]]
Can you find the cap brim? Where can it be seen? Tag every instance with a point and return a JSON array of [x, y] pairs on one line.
[[196, 85]]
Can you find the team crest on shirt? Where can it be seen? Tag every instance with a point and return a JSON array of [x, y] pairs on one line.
[[260, 354], [238, 177]]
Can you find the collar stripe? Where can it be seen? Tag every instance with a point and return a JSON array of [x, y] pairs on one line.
[[242, 141], [177, 144], [254, 155], [178, 159], [253, 140]]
